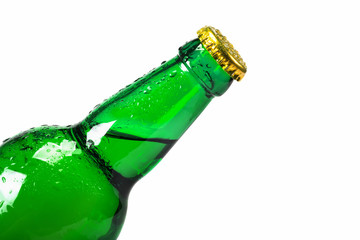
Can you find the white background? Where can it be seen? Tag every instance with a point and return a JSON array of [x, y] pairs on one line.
[[276, 157]]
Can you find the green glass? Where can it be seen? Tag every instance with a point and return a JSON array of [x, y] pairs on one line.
[[73, 182]]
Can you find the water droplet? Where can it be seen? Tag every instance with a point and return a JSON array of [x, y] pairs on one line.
[[173, 74], [57, 182], [60, 170], [180, 86], [145, 91], [149, 88], [90, 143], [131, 116], [3, 179], [96, 107], [12, 164], [137, 103]]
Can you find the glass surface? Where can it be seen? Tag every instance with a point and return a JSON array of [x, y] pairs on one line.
[[73, 182]]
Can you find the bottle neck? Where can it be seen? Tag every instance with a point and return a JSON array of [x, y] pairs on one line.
[[137, 126], [202, 65]]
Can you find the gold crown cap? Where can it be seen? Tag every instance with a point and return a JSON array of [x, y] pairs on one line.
[[223, 52]]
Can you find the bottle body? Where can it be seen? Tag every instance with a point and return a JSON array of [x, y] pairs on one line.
[[53, 189], [73, 182]]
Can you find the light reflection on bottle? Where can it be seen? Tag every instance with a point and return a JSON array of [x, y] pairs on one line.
[[52, 153], [97, 132], [10, 185]]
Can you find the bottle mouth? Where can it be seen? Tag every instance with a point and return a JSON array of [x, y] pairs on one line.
[[223, 52]]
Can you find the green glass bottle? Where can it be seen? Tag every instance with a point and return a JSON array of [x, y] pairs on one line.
[[72, 183]]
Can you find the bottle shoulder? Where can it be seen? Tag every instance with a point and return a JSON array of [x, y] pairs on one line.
[[48, 144], [48, 152]]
